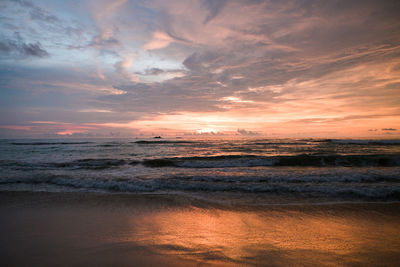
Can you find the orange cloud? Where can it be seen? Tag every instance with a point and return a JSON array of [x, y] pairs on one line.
[[16, 127], [159, 40]]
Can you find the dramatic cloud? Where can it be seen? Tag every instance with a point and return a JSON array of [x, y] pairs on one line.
[[289, 68]]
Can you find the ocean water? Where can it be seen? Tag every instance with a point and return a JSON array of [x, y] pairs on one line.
[[249, 171]]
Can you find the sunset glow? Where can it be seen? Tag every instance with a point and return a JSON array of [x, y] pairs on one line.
[[200, 132], [221, 68]]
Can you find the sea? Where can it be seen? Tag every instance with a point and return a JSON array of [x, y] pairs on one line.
[[241, 171]]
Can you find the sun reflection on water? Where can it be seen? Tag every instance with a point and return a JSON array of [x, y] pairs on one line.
[[232, 237]]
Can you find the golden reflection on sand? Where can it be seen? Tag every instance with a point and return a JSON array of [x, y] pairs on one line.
[[232, 237]]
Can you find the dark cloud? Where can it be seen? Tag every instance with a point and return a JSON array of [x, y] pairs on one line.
[[103, 41], [105, 45], [34, 50], [153, 71], [37, 13], [36, 22], [248, 133], [389, 129], [213, 7], [208, 61], [19, 48], [158, 71]]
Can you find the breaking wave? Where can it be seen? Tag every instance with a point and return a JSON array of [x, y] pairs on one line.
[[327, 186], [94, 163], [255, 161], [222, 161], [340, 169]]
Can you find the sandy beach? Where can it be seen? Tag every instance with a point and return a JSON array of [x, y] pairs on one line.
[[78, 229]]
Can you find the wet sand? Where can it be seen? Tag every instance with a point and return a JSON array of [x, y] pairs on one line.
[[89, 229]]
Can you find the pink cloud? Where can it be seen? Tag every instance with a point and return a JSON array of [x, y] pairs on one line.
[[16, 127]]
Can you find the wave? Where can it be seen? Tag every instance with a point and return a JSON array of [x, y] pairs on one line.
[[159, 163], [366, 142], [185, 184], [94, 163], [279, 143], [48, 143], [297, 160], [111, 144], [323, 178], [222, 161]]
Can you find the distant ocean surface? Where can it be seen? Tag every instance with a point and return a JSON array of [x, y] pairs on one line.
[[252, 171]]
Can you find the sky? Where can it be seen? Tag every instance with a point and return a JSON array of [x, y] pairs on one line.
[[246, 68]]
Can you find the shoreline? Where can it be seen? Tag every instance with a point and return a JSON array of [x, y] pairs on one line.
[[76, 229], [179, 199]]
